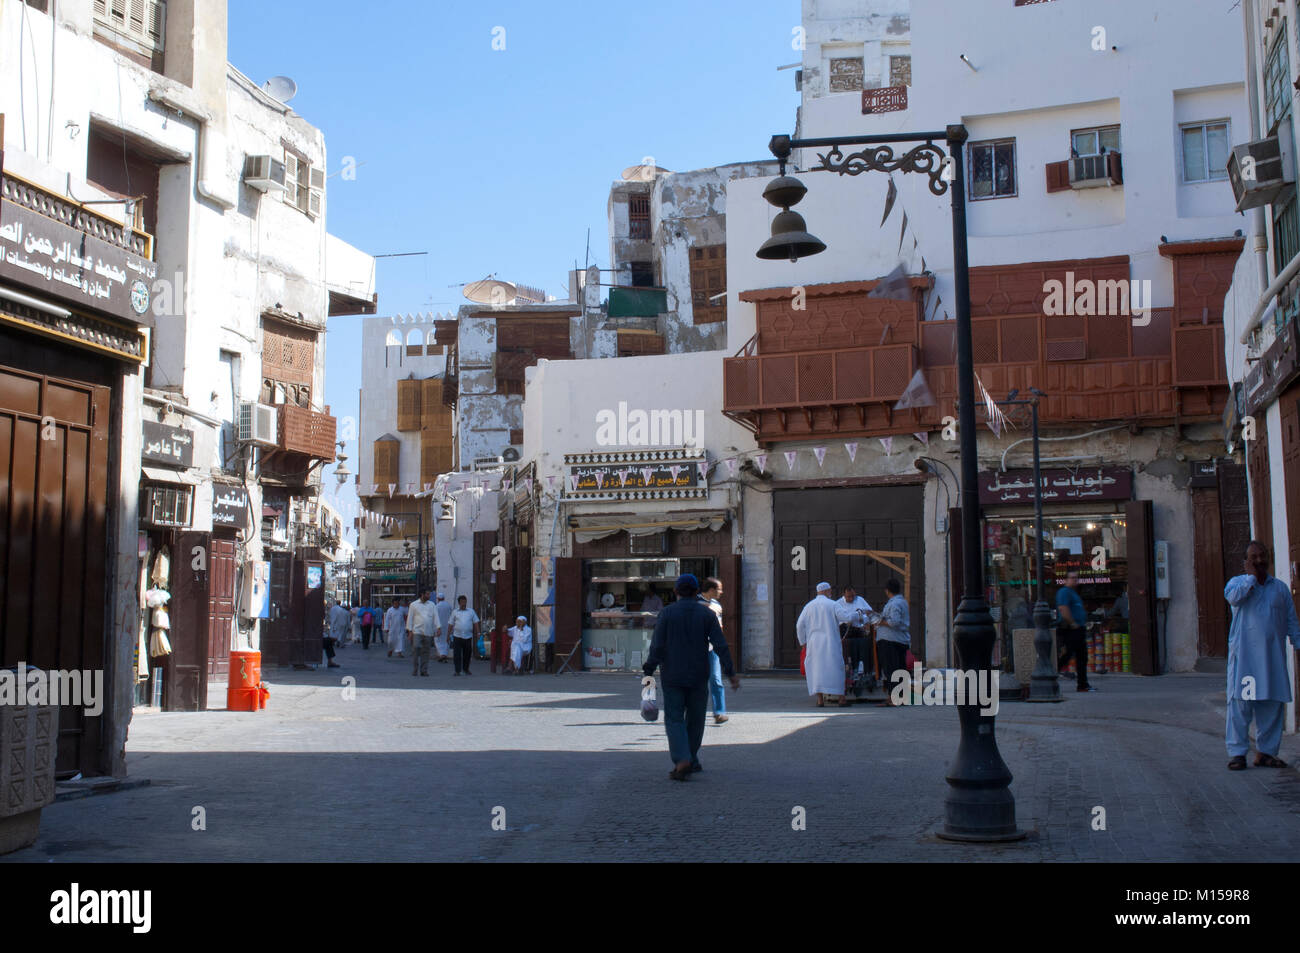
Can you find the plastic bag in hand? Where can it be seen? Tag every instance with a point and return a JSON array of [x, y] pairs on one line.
[[649, 707]]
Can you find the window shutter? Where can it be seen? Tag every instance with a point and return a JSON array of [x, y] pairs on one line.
[[408, 405], [1058, 175], [386, 453], [1114, 168], [708, 278], [435, 454], [431, 405]]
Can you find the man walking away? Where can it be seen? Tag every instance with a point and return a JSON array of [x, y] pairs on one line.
[[684, 633], [711, 595], [338, 622], [851, 611], [464, 628], [355, 633], [893, 634], [395, 630], [444, 610], [819, 631], [1070, 629], [423, 621], [1263, 619], [367, 626]]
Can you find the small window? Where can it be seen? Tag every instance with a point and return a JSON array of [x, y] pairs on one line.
[[1205, 151], [166, 505], [1277, 82], [643, 274], [846, 74], [993, 169], [305, 186], [638, 214], [1094, 142], [900, 71]]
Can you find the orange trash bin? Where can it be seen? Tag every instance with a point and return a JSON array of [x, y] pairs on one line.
[[243, 690]]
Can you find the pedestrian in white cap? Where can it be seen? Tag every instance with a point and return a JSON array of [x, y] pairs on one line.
[[521, 644], [818, 630]]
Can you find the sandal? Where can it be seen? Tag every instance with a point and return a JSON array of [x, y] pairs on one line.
[[821, 701], [1238, 763], [1268, 761]]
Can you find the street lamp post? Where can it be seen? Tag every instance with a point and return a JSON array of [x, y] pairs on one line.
[[979, 806]]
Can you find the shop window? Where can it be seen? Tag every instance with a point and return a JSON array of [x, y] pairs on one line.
[[993, 169], [166, 505]]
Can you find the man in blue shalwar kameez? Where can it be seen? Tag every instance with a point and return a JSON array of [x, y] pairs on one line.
[[1263, 618]]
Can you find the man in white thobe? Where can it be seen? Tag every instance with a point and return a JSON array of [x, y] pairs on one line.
[[441, 639], [423, 622], [521, 643], [818, 630], [395, 630]]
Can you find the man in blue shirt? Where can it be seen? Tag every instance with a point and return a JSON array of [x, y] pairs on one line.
[[683, 633], [1070, 628], [1263, 618]]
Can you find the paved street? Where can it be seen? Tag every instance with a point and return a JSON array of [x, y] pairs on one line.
[[412, 768]]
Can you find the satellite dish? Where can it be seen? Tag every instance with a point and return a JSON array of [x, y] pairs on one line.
[[643, 173], [281, 88], [490, 291]]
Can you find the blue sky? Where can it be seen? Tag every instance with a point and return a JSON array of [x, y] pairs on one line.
[[501, 160]]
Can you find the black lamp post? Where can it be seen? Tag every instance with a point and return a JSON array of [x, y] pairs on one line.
[[979, 806], [1044, 683]]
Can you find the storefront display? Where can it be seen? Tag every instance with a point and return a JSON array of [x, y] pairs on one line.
[[618, 624]]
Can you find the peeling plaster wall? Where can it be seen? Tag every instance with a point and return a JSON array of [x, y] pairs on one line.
[[453, 540], [846, 28]]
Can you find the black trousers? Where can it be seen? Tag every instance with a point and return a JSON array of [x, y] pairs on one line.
[[365, 636], [462, 650], [329, 647], [1075, 640], [859, 647], [893, 658]]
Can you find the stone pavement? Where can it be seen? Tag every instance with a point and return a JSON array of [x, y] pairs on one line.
[[412, 769]]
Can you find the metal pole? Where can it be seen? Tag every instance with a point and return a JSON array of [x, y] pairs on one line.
[[979, 806], [1044, 684]]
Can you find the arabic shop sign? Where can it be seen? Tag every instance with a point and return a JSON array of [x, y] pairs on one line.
[[45, 255], [1059, 486], [229, 505], [173, 446]]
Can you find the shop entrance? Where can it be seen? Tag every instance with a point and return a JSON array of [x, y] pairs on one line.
[[221, 606], [877, 518]]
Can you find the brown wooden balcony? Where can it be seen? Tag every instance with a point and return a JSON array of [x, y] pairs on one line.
[[307, 432]]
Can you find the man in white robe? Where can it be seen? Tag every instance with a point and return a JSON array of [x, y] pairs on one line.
[[818, 630], [521, 644], [395, 630], [442, 639]]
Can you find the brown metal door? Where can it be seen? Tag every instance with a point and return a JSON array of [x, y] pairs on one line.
[[221, 606], [185, 683], [1141, 587], [1211, 620], [568, 608], [729, 574], [824, 520], [1234, 522], [53, 544], [276, 629], [1289, 403]]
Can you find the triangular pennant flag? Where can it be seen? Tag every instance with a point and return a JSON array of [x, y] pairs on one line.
[[820, 454], [890, 196], [852, 448], [646, 474], [622, 478], [410, 488], [731, 465], [507, 484], [391, 488], [674, 470], [916, 394], [600, 479], [922, 436], [760, 460], [923, 268], [375, 492], [428, 487], [894, 285], [573, 481], [902, 232], [888, 444], [550, 482], [704, 470], [790, 456]]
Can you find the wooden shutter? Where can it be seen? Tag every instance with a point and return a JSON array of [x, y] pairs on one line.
[[1114, 168], [708, 278], [1058, 175], [1141, 587], [569, 605], [435, 455], [431, 405], [408, 405], [386, 455], [634, 343]]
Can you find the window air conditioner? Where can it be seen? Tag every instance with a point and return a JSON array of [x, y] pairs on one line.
[[257, 423], [264, 173], [1090, 172], [1262, 171], [487, 463]]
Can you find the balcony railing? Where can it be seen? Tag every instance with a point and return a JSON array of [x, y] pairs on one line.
[[307, 431]]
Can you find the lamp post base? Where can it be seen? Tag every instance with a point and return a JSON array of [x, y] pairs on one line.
[[1044, 683]]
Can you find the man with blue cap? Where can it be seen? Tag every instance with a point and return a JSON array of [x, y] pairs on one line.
[[684, 632]]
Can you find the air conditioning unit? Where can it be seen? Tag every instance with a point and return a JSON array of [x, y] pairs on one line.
[[510, 455], [1090, 172], [264, 173], [257, 423], [1263, 171], [488, 463]]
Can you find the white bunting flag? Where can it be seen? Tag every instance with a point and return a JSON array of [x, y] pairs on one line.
[[622, 477], [731, 465], [852, 448], [507, 484], [820, 454], [646, 474], [428, 487], [375, 492], [790, 457], [922, 436], [888, 444], [391, 488], [760, 460], [600, 479], [550, 482], [573, 481], [674, 470], [704, 470]]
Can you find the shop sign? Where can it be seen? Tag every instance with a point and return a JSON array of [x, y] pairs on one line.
[[173, 446], [636, 475], [1274, 370], [1205, 473], [64, 262], [1058, 486], [229, 505]]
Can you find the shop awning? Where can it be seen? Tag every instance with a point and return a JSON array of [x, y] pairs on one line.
[[163, 475], [588, 528]]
